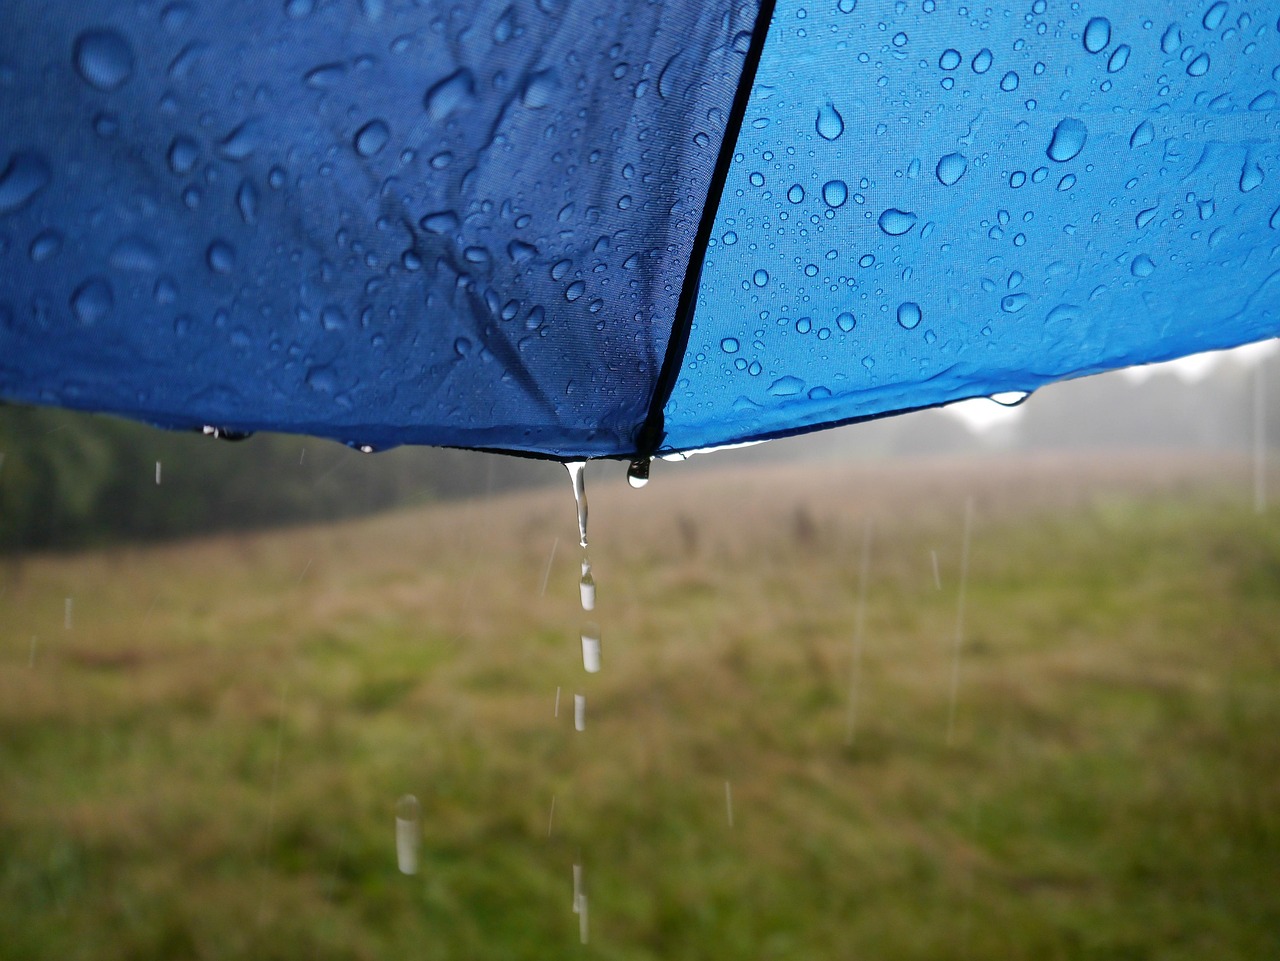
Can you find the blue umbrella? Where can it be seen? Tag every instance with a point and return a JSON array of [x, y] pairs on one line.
[[580, 229]]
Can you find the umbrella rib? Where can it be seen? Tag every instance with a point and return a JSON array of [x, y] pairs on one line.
[[653, 430]]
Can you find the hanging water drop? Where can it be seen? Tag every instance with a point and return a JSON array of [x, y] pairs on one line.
[[577, 474], [638, 470]]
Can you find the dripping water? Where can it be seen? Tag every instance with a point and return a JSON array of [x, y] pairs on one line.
[[577, 473], [591, 647], [587, 585], [638, 472], [579, 712], [408, 833]]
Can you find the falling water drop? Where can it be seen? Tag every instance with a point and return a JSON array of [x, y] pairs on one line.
[[587, 585], [577, 474], [408, 833], [579, 712], [591, 647]]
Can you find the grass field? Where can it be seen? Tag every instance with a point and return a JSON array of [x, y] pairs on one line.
[[202, 745]]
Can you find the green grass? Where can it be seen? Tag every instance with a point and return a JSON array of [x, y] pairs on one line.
[[206, 763]]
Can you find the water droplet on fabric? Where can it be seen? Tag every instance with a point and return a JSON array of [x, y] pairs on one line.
[[134, 254], [835, 193], [729, 345], [45, 245], [1013, 303], [795, 194], [371, 138], [442, 222], [760, 277], [982, 61], [183, 154], [92, 301], [896, 222], [539, 90], [1251, 176], [829, 124], [1214, 15], [23, 177], [449, 94], [909, 315], [950, 59], [1119, 58], [242, 141], [221, 257], [1145, 217], [1143, 134], [103, 59], [1068, 140], [1009, 82], [846, 321], [1142, 266], [786, 387], [247, 202], [1097, 34], [1199, 66], [951, 168], [1171, 40]]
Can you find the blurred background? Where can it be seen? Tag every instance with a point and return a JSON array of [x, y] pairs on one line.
[[977, 682]]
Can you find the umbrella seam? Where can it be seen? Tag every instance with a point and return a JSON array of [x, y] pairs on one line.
[[652, 432]]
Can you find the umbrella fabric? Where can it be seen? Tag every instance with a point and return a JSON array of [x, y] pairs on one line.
[[585, 229]]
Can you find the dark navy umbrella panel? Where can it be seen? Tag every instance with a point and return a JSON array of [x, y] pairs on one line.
[[585, 229]]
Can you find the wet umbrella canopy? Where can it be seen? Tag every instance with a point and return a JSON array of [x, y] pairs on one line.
[[608, 229]]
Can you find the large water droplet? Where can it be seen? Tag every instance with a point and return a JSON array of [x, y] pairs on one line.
[[1142, 266], [909, 315], [1251, 176], [830, 125], [449, 94], [835, 193], [982, 60], [577, 475], [103, 59], [23, 177], [371, 138], [1013, 303], [1171, 40], [760, 277], [729, 345], [134, 254], [92, 301], [1097, 34], [587, 585], [1199, 66], [1068, 140], [1118, 59], [795, 194], [896, 222], [638, 472], [786, 387], [1142, 135], [951, 168], [950, 59], [1214, 15]]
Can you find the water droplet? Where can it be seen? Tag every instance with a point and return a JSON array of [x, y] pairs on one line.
[[909, 315], [1145, 217], [846, 321], [1013, 303], [1214, 15], [951, 168], [786, 387], [896, 222], [1251, 176], [441, 223], [795, 194], [92, 301], [449, 94], [221, 257], [1143, 134], [1010, 398], [574, 291], [242, 141], [1097, 34], [1067, 182], [1199, 66], [1017, 179], [539, 90], [591, 647], [1171, 40], [982, 61], [103, 59], [1264, 101], [835, 193], [729, 345], [587, 585], [579, 723], [23, 177], [760, 277], [1068, 140], [847, 6], [1009, 82], [247, 202], [950, 59], [183, 154], [46, 244], [1118, 59], [830, 125], [134, 254], [577, 475], [1142, 266], [371, 138], [408, 833]]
